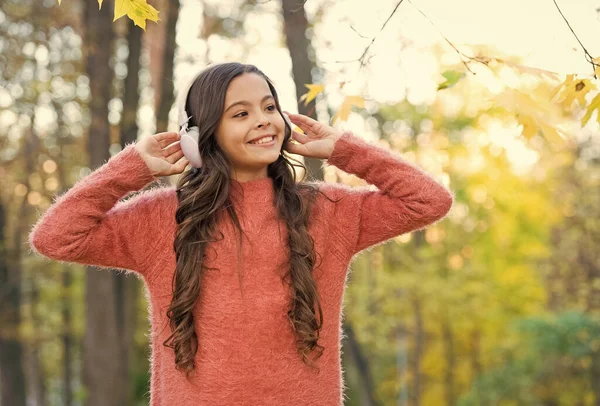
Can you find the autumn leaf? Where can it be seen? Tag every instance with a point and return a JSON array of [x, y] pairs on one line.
[[594, 105], [137, 10], [313, 92], [533, 114], [346, 107], [452, 77], [528, 69], [573, 89]]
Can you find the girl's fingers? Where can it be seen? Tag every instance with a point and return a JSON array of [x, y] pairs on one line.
[[181, 165], [166, 138], [295, 148], [171, 149], [301, 138], [175, 157], [304, 122]]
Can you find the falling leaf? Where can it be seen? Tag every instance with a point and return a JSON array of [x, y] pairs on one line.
[[313, 92], [137, 10], [452, 77], [346, 107]]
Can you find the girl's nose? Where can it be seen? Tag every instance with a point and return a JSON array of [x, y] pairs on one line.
[[263, 120]]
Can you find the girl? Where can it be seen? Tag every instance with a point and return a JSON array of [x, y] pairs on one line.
[[245, 267]]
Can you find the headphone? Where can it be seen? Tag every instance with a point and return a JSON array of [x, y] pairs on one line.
[[190, 135]]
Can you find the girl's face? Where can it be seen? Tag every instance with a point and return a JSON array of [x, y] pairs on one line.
[[249, 114]]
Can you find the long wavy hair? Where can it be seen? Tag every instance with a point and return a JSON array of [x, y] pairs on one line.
[[203, 194]]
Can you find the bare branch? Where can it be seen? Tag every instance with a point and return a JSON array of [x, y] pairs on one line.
[[588, 57], [472, 58]]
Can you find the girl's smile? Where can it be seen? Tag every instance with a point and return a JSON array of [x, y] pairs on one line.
[[266, 141]]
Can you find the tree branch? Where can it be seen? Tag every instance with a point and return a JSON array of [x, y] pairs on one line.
[[588, 57]]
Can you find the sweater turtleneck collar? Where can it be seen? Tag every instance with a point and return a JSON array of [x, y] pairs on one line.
[[257, 190]]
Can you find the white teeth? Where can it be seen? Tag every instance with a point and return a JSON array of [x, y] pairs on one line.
[[263, 140]]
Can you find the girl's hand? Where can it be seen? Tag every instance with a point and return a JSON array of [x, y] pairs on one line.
[[316, 142], [162, 153]]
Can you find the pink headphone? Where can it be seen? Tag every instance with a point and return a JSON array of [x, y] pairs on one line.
[[190, 135]]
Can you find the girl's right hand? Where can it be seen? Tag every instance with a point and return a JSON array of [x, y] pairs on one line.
[[162, 153]]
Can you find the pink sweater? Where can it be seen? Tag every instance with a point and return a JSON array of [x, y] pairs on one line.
[[246, 353]]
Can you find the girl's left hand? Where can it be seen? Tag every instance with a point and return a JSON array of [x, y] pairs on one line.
[[316, 142]]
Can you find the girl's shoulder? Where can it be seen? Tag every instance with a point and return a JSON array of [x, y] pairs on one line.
[[156, 200]]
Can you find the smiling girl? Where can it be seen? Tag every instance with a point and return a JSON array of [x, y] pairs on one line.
[[245, 265]]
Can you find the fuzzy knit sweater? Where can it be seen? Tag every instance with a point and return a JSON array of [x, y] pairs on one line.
[[247, 353]]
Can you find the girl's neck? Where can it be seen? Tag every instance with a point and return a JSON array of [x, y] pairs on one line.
[[255, 190]]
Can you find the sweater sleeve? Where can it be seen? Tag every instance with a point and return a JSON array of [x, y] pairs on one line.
[[407, 199], [89, 225]]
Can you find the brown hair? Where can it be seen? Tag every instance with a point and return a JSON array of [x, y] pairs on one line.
[[203, 194]]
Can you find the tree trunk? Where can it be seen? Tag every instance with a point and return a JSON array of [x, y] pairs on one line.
[[102, 361], [476, 369], [12, 376], [295, 26], [67, 338], [35, 371], [367, 391], [166, 95], [419, 339], [449, 389]]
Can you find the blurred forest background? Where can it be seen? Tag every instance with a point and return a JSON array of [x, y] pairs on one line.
[[498, 304]]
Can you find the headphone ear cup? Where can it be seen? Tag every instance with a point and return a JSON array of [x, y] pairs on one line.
[[189, 146]]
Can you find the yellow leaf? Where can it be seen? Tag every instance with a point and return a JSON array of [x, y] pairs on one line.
[[533, 114], [573, 89], [137, 10], [346, 107], [528, 69], [529, 126], [59, 2], [313, 92], [552, 134], [594, 105], [100, 4]]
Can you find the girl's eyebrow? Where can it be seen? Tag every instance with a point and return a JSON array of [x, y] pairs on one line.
[[244, 102]]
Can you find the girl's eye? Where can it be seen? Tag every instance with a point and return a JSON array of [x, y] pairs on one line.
[[270, 106]]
